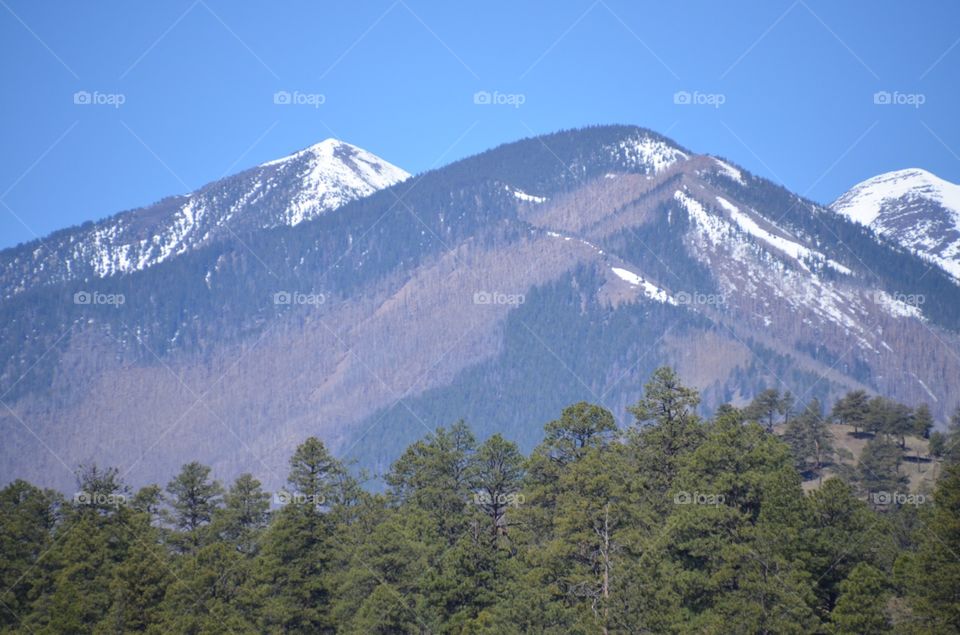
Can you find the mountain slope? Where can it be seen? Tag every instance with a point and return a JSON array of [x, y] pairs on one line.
[[498, 288], [286, 191], [913, 207]]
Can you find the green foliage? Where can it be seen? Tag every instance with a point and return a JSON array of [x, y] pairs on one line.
[[879, 467], [194, 498], [680, 525], [861, 607], [922, 421], [810, 439], [767, 405], [931, 573], [244, 514], [28, 517], [852, 409]]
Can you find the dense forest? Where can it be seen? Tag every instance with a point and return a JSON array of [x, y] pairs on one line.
[[752, 521]]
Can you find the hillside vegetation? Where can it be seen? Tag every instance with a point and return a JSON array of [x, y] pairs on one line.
[[676, 524]]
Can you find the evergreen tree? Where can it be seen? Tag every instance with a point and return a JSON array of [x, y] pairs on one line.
[[72, 582], [497, 474], [931, 575], [922, 421], [28, 519], [194, 498], [436, 475], [207, 595], [809, 438], [879, 469], [861, 607], [839, 532], [852, 409], [140, 581], [767, 405], [293, 577], [244, 514], [667, 427]]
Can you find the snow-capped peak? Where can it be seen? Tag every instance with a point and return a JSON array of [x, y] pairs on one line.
[[332, 173], [864, 202], [917, 209], [285, 191], [642, 151]]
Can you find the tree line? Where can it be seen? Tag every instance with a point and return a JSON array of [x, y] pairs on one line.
[[676, 524]]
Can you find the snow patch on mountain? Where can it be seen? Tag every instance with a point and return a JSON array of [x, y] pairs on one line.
[[739, 249], [526, 198], [895, 306], [650, 290], [645, 152], [730, 171]]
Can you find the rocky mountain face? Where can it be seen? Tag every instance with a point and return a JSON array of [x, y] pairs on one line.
[[286, 191], [498, 289], [912, 207]]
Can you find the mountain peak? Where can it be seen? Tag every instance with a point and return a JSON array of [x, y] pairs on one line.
[[915, 208], [865, 201], [330, 174], [285, 191], [326, 147]]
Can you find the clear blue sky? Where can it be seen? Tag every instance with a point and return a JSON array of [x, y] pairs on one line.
[[198, 78]]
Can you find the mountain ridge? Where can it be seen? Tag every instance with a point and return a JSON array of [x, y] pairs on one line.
[[539, 273], [285, 191]]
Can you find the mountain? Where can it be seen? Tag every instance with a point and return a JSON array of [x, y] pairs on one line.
[[499, 288], [286, 191], [913, 207]]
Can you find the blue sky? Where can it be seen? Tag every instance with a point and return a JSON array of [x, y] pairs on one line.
[[785, 88]]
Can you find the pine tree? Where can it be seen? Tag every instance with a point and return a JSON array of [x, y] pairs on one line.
[[244, 514], [809, 438], [73, 578], [922, 421], [194, 498], [852, 409], [140, 581], [879, 469], [922, 424], [28, 518], [840, 531], [766, 406], [497, 474], [861, 606], [667, 427], [931, 575], [436, 475], [293, 580]]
